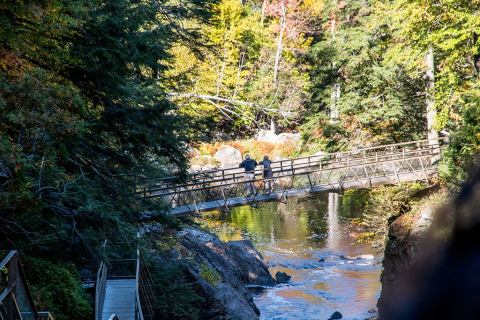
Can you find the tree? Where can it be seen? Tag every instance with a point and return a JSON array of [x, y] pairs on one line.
[[83, 113]]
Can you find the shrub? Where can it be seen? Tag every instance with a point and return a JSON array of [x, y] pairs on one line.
[[57, 288], [175, 294]]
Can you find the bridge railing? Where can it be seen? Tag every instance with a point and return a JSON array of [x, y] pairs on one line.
[[222, 177], [335, 157], [401, 164], [16, 301]]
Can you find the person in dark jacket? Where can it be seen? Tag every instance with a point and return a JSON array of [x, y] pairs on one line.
[[249, 166], [267, 173]]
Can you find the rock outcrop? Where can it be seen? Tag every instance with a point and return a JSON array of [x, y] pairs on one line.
[[221, 271], [404, 245], [251, 265]]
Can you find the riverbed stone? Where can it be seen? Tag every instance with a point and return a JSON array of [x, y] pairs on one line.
[[282, 277], [335, 316], [405, 237]]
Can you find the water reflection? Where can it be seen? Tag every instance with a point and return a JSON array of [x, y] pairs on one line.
[[307, 239], [333, 226]]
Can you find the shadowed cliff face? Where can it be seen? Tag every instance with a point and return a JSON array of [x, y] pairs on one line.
[[434, 273], [404, 246]]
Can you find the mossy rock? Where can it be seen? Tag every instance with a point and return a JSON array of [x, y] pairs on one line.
[[210, 274]]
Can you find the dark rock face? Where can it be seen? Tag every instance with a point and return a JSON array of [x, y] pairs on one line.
[[221, 271], [282, 277], [405, 236], [335, 316], [253, 269]]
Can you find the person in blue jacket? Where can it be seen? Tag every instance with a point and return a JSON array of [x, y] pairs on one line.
[[267, 173], [249, 165]]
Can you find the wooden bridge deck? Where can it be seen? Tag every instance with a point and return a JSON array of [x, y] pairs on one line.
[[224, 188]]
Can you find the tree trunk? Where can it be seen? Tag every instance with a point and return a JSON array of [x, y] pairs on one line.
[[264, 6], [334, 113], [278, 54], [430, 98]]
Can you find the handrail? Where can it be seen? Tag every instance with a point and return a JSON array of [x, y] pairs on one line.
[[323, 160], [138, 304], [144, 293], [100, 289], [284, 176], [287, 172], [8, 258], [325, 155], [143, 296], [16, 286]]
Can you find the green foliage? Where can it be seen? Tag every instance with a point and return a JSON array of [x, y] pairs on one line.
[[379, 204], [239, 66], [175, 293], [463, 152], [57, 287], [378, 96], [451, 29], [84, 116]]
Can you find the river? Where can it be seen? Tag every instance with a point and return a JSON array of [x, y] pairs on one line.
[[312, 240]]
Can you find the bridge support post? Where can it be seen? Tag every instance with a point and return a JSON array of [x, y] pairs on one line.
[[310, 182], [225, 206]]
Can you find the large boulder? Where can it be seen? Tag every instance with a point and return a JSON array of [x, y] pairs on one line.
[[222, 270], [253, 270], [228, 156], [267, 136]]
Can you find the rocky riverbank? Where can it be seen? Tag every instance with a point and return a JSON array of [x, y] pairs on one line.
[[220, 272]]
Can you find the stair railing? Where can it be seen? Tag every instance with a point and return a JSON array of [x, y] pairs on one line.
[[144, 292], [100, 289], [16, 301]]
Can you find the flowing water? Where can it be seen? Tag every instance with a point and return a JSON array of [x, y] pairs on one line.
[[313, 241]]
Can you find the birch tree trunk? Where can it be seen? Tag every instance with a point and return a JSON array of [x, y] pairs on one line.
[[430, 98], [334, 113], [264, 6], [278, 53]]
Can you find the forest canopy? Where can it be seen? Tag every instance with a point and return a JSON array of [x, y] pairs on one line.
[[96, 95]]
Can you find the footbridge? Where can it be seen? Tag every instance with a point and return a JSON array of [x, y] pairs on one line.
[[332, 172]]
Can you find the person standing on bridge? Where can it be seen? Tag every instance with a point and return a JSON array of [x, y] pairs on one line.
[[267, 173], [249, 166]]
